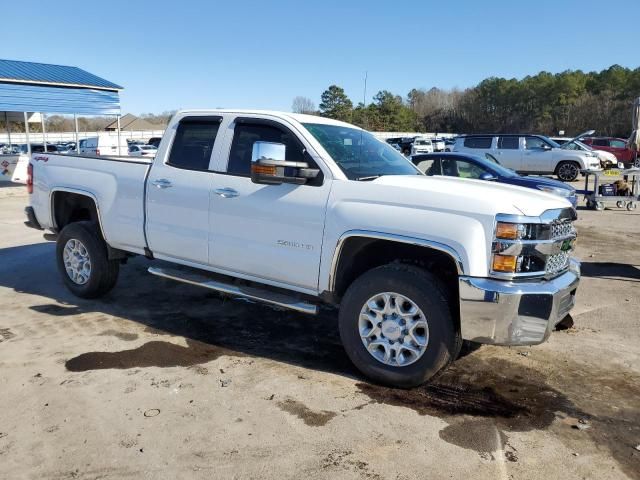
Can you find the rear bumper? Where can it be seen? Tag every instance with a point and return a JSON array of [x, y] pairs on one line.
[[32, 221], [515, 313]]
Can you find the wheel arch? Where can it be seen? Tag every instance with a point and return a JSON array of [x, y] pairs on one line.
[[69, 204], [360, 251]]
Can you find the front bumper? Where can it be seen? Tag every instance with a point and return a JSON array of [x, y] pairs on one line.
[[515, 313]]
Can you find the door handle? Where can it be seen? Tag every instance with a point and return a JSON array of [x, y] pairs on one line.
[[162, 183], [226, 192]]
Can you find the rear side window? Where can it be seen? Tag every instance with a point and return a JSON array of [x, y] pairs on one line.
[[618, 144], [601, 142], [246, 134], [509, 143], [478, 142], [193, 143]]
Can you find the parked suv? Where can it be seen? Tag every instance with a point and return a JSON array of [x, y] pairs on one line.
[[422, 145], [526, 153], [617, 146]]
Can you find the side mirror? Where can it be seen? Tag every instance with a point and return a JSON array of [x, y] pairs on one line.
[[269, 167], [488, 176]]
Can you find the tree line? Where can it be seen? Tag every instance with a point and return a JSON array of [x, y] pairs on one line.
[[546, 103]]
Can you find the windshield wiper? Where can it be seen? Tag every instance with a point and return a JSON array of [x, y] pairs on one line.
[[366, 179]]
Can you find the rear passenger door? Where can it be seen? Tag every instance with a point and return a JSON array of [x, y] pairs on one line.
[[268, 233], [508, 152], [178, 191]]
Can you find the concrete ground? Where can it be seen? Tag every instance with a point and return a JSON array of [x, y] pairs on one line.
[[164, 380]]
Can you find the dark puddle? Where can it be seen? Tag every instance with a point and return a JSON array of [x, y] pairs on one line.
[[308, 416], [127, 337], [151, 354], [482, 400], [56, 310]]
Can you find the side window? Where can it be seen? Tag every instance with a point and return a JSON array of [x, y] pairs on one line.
[[533, 143], [478, 142], [601, 142], [509, 143], [618, 144], [246, 134], [428, 166], [461, 168], [193, 143]]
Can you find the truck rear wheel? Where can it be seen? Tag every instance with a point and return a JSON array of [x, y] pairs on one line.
[[396, 326], [83, 262]]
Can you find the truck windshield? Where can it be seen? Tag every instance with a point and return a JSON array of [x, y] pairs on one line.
[[359, 154]]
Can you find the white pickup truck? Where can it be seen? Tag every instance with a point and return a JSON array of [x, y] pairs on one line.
[[299, 211]]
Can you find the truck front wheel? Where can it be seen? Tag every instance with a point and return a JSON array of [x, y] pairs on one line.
[[396, 326], [83, 262]]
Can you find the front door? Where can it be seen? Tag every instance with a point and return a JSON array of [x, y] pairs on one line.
[[272, 232], [537, 156], [178, 193]]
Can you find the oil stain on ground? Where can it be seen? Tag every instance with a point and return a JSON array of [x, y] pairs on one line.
[[308, 416], [127, 337], [151, 354], [482, 399]]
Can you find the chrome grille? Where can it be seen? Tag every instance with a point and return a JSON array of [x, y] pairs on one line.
[[557, 262], [561, 229]]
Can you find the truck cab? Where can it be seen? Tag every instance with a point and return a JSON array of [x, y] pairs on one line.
[[299, 211]]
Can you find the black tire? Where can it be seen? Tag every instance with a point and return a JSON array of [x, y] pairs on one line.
[[429, 295], [104, 272], [567, 171]]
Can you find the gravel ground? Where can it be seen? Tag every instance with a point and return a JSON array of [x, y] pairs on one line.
[[164, 380]]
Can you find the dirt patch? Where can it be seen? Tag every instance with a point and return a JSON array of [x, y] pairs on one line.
[[6, 334], [151, 354], [127, 337], [308, 416]]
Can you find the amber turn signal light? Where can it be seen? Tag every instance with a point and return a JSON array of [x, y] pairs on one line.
[[504, 263], [508, 231], [264, 170]]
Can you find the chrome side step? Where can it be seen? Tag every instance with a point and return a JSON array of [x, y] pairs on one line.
[[253, 293]]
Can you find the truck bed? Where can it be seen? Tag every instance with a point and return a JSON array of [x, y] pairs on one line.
[[116, 183]]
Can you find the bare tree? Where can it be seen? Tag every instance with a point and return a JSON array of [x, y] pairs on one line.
[[303, 105]]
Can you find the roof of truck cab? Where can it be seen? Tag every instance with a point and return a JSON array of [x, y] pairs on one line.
[[299, 117]]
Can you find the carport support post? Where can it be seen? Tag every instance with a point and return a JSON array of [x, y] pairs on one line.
[[118, 120], [26, 132], [75, 121], [44, 132], [6, 123]]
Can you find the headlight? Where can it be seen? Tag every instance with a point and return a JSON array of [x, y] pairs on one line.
[[561, 192], [531, 249]]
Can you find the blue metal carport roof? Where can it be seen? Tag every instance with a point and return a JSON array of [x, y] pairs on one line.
[[41, 87]]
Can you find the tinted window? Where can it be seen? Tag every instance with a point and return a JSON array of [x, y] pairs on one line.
[[535, 142], [618, 144], [478, 142], [193, 144], [601, 142], [245, 135], [461, 168], [509, 143]]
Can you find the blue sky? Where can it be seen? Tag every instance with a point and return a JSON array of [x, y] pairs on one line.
[[261, 54]]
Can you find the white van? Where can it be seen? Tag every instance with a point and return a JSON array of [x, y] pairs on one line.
[[103, 145]]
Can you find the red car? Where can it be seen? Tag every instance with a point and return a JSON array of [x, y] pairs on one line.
[[617, 146]]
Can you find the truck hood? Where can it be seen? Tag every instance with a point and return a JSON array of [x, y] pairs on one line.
[[475, 196]]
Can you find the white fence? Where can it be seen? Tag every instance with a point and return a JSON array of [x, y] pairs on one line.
[[55, 137]]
